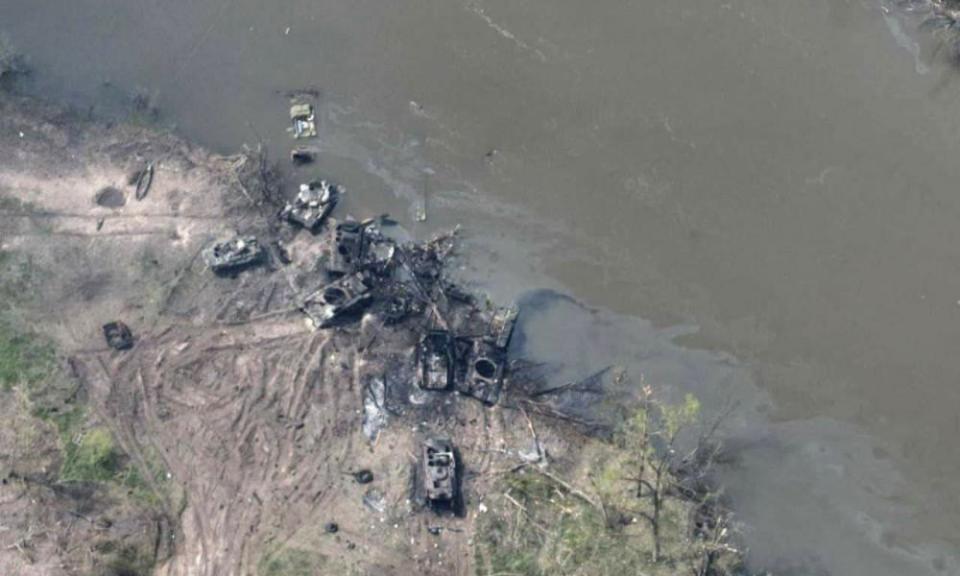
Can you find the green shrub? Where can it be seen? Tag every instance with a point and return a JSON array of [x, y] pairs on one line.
[[24, 358]]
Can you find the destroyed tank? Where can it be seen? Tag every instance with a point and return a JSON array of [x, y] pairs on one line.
[[313, 203], [233, 254], [337, 301], [439, 471], [348, 241], [486, 365], [360, 246], [435, 360]]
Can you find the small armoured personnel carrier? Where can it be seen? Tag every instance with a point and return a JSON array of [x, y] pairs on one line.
[[233, 254], [486, 366], [118, 335], [336, 301], [313, 203], [436, 355], [439, 471], [304, 121]]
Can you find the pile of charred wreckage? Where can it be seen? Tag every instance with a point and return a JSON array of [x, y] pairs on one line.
[[461, 346]]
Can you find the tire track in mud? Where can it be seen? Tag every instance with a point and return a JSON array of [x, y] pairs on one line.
[[260, 427]]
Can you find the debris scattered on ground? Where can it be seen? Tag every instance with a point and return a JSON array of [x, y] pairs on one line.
[[233, 254], [331, 528], [118, 335], [374, 411], [144, 181], [374, 500], [363, 476]]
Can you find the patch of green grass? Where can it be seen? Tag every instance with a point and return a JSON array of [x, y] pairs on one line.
[[91, 457], [88, 454], [290, 562], [24, 358], [20, 281], [541, 529]]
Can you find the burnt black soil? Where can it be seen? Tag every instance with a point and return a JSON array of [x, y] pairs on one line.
[[110, 197]]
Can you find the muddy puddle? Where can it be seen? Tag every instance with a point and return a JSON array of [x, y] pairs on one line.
[[753, 202], [110, 197]]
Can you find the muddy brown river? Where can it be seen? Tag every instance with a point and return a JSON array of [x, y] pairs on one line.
[[756, 201]]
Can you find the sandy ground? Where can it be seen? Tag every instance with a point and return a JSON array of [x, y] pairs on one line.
[[255, 419]]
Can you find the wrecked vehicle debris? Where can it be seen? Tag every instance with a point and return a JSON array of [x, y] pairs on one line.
[[374, 500], [502, 326], [363, 476], [233, 254], [144, 180], [439, 471], [304, 121], [301, 156], [337, 301], [485, 368], [359, 246], [118, 335], [398, 304], [347, 247], [312, 205], [374, 408], [435, 360]]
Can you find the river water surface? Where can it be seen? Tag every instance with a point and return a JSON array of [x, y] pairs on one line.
[[754, 200]]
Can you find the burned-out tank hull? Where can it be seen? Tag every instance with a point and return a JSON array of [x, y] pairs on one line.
[[233, 254], [439, 471]]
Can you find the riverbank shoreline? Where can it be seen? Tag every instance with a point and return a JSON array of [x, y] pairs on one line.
[[224, 440]]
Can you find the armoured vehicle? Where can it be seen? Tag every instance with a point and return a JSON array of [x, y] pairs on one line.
[[233, 254], [439, 471], [348, 247], [359, 246], [118, 335], [436, 355], [313, 203], [337, 300], [501, 327], [486, 365], [304, 121]]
